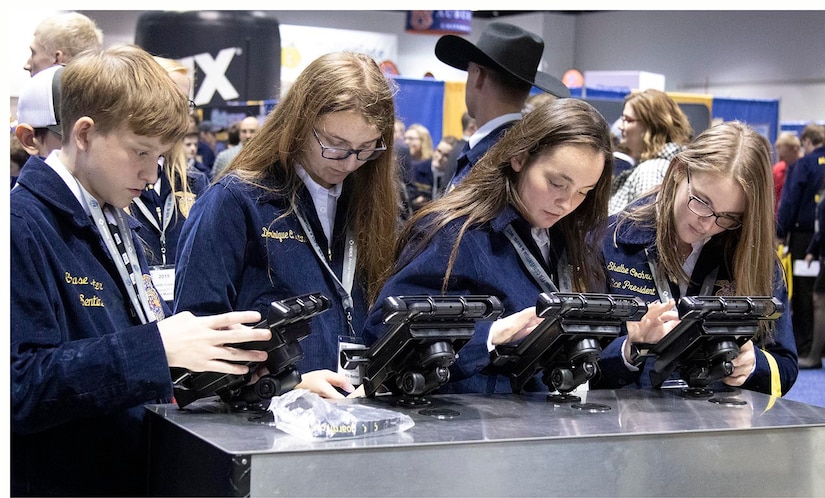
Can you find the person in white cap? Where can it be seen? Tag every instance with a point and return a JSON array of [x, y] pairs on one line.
[[501, 69], [38, 113]]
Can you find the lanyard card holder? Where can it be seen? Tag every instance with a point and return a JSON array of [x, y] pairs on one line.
[[288, 320], [708, 337], [422, 336], [567, 344]]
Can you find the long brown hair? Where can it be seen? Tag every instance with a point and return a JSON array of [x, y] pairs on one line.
[[334, 82], [662, 118], [491, 186], [737, 151]]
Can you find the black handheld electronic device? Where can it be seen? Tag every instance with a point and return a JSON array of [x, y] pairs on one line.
[[422, 337], [567, 344], [708, 337], [288, 320]]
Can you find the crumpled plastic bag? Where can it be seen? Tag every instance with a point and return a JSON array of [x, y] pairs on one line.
[[306, 415]]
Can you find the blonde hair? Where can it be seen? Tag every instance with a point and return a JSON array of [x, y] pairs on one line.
[[787, 138], [536, 100], [69, 32], [662, 119], [335, 82], [426, 140], [175, 165], [491, 186], [737, 151]]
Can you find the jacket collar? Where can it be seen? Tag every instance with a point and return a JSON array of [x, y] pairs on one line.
[[45, 184], [629, 233], [505, 217]]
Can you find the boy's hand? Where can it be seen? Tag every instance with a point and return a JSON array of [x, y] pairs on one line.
[[199, 344]]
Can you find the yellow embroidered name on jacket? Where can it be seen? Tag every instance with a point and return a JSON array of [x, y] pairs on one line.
[[627, 286], [93, 301], [633, 272], [75, 280], [280, 236], [612, 266]]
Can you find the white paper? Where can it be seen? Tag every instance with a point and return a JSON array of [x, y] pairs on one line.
[[801, 268]]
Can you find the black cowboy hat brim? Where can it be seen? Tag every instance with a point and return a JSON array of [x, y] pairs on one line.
[[458, 53]]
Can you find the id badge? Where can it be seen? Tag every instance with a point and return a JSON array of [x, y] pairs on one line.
[[345, 342], [163, 277]]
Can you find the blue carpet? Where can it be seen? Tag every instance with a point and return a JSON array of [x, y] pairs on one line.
[[809, 387]]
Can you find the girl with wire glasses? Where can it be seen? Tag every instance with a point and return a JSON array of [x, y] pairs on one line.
[[310, 204], [707, 230]]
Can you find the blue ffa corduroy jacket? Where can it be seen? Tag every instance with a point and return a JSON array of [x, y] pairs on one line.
[[797, 203], [476, 153], [152, 200], [629, 273], [82, 365], [487, 264], [236, 253]]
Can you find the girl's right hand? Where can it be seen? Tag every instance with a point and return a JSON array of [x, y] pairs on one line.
[[660, 319], [514, 327]]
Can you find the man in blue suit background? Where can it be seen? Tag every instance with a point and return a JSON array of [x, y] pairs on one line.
[[501, 69]]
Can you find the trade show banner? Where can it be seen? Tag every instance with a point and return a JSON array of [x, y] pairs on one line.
[[303, 44], [233, 55], [454, 107], [440, 22], [763, 115]]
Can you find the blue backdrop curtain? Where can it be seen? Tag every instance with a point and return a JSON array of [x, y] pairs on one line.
[[421, 101], [762, 115]]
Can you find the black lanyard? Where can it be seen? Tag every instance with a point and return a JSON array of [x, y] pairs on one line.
[[350, 256], [161, 223], [126, 260], [535, 268]]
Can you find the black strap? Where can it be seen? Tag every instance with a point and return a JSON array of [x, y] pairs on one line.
[[56, 94]]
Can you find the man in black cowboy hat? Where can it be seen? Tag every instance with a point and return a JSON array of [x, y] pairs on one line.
[[501, 69]]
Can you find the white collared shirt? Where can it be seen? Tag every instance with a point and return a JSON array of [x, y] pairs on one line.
[[542, 239], [72, 182], [53, 160], [324, 199], [690, 262], [491, 125]]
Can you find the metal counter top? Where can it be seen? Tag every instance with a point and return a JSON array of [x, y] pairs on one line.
[[656, 440]]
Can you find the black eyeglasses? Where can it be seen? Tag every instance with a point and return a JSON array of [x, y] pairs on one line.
[[701, 208], [338, 154], [192, 106]]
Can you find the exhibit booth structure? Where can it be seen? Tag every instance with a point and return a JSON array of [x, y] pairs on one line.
[[438, 105]]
